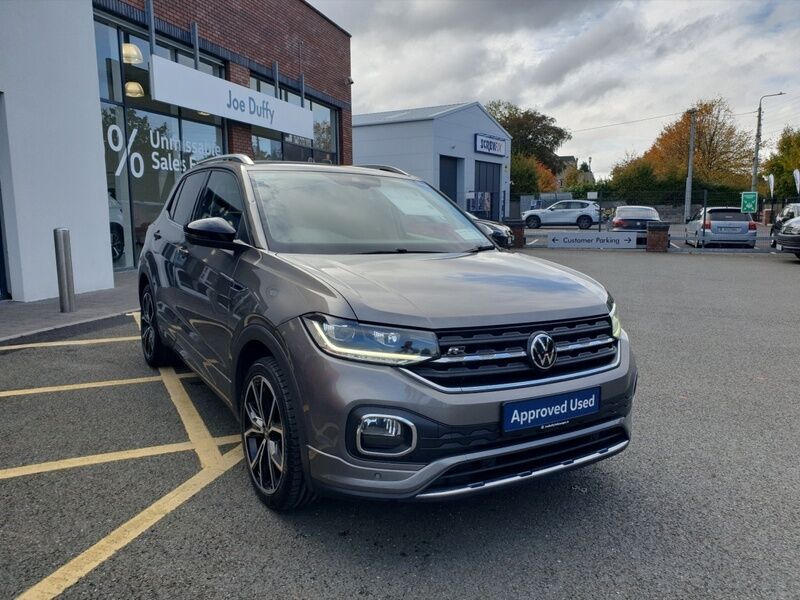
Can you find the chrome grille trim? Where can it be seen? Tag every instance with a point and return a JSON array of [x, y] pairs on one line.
[[517, 384], [570, 347]]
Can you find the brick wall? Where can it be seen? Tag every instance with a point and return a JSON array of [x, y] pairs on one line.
[[288, 31]]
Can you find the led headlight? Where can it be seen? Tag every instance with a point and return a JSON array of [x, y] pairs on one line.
[[371, 343], [616, 325]]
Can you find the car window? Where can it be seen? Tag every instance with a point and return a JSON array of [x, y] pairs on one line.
[[636, 212], [343, 213], [727, 214], [222, 198], [187, 197], [560, 206], [580, 205]]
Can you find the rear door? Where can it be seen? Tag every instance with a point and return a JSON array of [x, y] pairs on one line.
[[208, 301]]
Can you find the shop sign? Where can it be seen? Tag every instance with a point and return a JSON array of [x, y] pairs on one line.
[[489, 144], [183, 86]]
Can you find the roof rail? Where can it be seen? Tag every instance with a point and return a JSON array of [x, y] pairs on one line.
[[242, 158], [388, 168]]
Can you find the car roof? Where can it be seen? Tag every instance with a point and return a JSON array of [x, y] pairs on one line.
[[635, 206], [283, 165]]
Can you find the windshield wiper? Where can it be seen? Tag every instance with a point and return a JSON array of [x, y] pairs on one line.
[[477, 249], [402, 251]]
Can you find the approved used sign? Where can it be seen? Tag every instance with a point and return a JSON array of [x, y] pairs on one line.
[[591, 239]]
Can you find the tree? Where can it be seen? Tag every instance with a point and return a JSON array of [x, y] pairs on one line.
[[783, 162], [545, 177], [572, 177], [533, 133], [523, 175], [723, 153], [584, 167]]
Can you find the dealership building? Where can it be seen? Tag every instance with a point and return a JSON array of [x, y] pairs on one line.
[[104, 103], [459, 148]]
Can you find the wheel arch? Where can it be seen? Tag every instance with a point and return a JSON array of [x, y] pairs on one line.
[[256, 340]]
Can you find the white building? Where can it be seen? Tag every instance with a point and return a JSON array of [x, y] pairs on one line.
[[459, 148]]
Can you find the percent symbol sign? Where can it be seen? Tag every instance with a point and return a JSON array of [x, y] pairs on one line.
[[116, 141]]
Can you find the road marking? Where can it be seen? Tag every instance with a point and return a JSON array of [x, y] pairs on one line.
[[207, 450], [107, 457], [674, 245], [94, 459], [128, 338], [137, 316], [72, 572], [77, 386]]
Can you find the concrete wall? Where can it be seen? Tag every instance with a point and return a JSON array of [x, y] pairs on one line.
[[407, 146], [51, 148], [454, 135], [416, 146]]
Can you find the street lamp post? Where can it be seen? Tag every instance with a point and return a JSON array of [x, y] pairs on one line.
[[758, 140]]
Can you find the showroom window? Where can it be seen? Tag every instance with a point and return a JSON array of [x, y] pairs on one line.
[[323, 148], [148, 143]]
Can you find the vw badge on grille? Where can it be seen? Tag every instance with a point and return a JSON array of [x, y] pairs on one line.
[[542, 349]]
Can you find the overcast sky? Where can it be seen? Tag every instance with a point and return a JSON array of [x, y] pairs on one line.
[[585, 63]]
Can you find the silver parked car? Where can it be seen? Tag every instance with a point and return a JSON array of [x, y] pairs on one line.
[[721, 225]]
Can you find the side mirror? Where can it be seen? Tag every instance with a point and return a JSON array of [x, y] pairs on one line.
[[499, 238], [214, 232]]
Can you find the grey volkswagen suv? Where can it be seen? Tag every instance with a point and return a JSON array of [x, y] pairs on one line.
[[372, 341]]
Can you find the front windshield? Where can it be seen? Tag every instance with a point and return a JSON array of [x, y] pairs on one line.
[[317, 212]]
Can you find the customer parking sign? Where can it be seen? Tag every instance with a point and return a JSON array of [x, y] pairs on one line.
[[749, 202]]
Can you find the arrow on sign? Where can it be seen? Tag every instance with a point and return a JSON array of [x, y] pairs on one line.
[[627, 239], [554, 240]]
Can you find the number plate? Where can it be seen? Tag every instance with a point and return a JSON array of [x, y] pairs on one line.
[[526, 414]]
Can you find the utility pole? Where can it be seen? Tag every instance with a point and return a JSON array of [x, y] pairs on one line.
[[758, 140], [687, 201]]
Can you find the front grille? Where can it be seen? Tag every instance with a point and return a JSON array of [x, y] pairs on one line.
[[498, 356], [482, 471]]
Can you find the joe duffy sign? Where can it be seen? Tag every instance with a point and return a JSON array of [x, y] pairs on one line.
[[187, 87], [591, 239]]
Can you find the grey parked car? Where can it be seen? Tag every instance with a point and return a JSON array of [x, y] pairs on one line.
[[721, 225], [386, 349]]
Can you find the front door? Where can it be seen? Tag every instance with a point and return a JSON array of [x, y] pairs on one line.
[[211, 270], [487, 179], [448, 176]]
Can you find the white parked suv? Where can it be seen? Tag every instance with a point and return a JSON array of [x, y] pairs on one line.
[[582, 213]]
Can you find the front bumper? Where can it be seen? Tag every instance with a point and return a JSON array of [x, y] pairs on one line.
[[789, 242], [331, 389]]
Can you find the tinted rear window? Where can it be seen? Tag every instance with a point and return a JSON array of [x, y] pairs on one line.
[[626, 212], [728, 215]]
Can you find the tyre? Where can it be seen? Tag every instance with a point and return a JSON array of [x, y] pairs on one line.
[[156, 353], [117, 242], [584, 222], [270, 438], [533, 222]]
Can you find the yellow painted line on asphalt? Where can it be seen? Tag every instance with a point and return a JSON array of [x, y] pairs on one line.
[[77, 386], [199, 435], [137, 316], [94, 459], [72, 572], [127, 338], [107, 457]]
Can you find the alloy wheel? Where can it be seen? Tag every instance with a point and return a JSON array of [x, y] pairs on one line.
[[263, 435], [147, 324]]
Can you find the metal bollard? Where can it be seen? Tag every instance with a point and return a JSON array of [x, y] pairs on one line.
[[66, 287]]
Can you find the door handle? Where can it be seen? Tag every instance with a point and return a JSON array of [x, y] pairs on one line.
[[183, 250], [157, 235]]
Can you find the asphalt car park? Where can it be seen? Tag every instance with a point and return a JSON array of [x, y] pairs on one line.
[[118, 480]]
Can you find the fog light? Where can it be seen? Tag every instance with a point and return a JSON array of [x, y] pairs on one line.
[[385, 435]]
